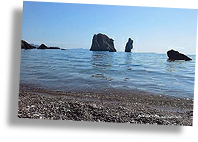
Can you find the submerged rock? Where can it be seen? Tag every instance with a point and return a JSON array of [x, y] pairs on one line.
[[129, 45], [175, 55], [25, 45], [101, 42]]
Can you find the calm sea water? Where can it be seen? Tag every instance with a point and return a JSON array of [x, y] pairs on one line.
[[81, 69]]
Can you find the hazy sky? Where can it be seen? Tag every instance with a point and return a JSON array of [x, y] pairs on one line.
[[73, 26]]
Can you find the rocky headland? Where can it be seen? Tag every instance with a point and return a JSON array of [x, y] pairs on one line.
[[175, 55], [101, 42], [129, 45], [25, 45]]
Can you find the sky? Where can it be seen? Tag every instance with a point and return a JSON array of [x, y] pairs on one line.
[[68, 25]]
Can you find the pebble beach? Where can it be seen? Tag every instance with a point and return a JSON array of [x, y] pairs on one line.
[[119, 106]]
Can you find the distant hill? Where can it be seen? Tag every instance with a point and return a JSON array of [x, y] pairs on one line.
[[34, 45]]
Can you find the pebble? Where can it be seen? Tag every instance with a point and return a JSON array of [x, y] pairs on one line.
[[94, 106], [35, 115], [68, 110]]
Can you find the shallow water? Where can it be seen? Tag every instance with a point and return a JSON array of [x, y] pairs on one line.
[[81, 69]]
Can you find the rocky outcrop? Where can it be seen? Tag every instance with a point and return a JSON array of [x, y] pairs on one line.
[[175, 55], [25, 45], [43, 46], [101, 42], [129, 45]]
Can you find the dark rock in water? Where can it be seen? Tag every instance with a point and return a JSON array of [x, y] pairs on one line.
[[25, 45], [175, 55], [101, 42], [42, 46], [129, 45], [63, 49]]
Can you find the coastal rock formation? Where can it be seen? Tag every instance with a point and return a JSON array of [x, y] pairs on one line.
[[43, 46], [25, 45], [101, 42], [129, 45], [175, 55]]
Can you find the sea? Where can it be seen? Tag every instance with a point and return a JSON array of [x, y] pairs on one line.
[[84, 70]]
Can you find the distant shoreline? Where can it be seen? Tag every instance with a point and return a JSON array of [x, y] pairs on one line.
[[117, 106]]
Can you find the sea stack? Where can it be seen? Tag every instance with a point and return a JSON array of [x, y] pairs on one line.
[[129, 45], [175, 55], [101, 42], [25, 45]]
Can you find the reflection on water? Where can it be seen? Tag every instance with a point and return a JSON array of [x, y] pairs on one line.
[[128, 58], [173, 66], [102, 60]]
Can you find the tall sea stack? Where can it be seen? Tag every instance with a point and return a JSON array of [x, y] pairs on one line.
[[101, 42], [129, 45]]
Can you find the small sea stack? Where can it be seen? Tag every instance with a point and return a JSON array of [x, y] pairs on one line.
[[175, 55], [129, 45], [101, 42]]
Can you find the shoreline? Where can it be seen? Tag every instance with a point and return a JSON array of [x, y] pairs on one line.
[[113, 106]]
